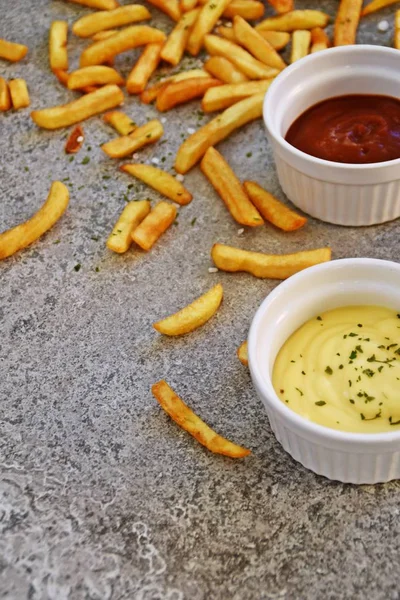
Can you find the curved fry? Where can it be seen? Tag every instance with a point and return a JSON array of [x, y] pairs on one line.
[[94, 75], [91, 24], [242, 353]]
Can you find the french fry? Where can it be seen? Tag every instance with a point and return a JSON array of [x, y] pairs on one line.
[[78, 110], [242, 59], [319, 40], [282, 6], [251, 10], [151, 93], [346, 23], [120, 121], [376, 5], [62, 76], [266, 266], [19, 93], [120, 239], [206, 20], [154, 225], [229, 188], [250, 39], [23, 235], [89, 25], [223, 69], [194, 315], [126, 39], [301, 40], [277, 39], [179, 412], [94, 75], [272, 210], [227, 33], [243, 354], [58, 46], [143, 69], [169, 7], [12, 51], [5, 98], [217, 130], [99, 4], [296, 19], [74, 140], [179, 92], [103, 35], [397, 30], [140, 137], [161, 181], [174, 47], [187, 5], [223, 96]]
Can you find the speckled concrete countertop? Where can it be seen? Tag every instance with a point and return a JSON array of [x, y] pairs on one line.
[[101, 495]]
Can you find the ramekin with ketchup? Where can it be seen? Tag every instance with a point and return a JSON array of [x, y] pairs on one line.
[[333, 119]]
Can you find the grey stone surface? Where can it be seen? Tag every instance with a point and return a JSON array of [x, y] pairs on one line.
[[101, 495]]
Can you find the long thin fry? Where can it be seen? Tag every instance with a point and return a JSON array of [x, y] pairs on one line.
[[251, 10], [154, 225], [121, 122], [179, 92], [161, 181], [206, 20], [242, 59], [376, 5], [282, 6], [277, 39], [319, 40], [272, 210], [143, 69], [89, 25], [19, 93], [151, 93], [12, 51], [250, 39], [140, 137], [5, 98], [94, 75], [133, 214], [300, 44], [169, 7], [397, 30], [296, 19], [346, 24], [99, 4], [223, 69], [58, 45], [223, 96], [174, 47]]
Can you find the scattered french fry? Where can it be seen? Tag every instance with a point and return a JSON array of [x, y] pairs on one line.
[[206, 20], [179, 92], [5, 98], [174, 47], [151, 93], [126, 39], [78, 110], [140, 137], [74, 140], [397, 30], [58, 46], [346, 23], [242, 59], [282, 6], [179, 412], [121, 122], [120, 239], [277, 39], [187, 5], [169, 7], [19, 93], [251, 10], [12, 51], [62, 76], [94, 75], [376, 5], [161, 181], [227, 33], [103, 35], [250, 39], [223, 96], [194, 315], [229, 188], [99, 4], [243, 355], [143, 69], [266, 266], [23, 235], [319, 40], [301, 40], [217, 130], [296, 19], [272, 210], [154, 225], [223, 69], [89, 25]]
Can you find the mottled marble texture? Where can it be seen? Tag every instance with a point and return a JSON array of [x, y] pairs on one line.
[[101, 495]]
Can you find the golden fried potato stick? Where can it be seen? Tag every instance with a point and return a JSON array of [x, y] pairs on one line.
[[397, 30], [194, 315], [223, 96], [179, 412], [346, 23], [74, 140], [120, 239], [169, 7], [140, 137], [251, 39], [223, 69], [23, 235], [94, 75], [154, 225], [12, 51], [151, 93], [78, 110], [206, 20], [282, 6], [126, 39], [58, 46], [319, 40], [19, 93], [277, 39], [242, 59], [120, 121], [174, 47], [227, 33], [243, 354], [89, 25], [179, 92], [144, 68], [296, 19], [5, 98], [103, 35], [376, 5], [187, 5], [217, 130], [251, 10], [272, 209], [159, 180], [99, 4], [301, 40], [266, 266]]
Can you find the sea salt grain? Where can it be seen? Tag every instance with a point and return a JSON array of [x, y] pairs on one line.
[[163, 120], [135, 156], [240, 231], [383, 25], [179, 177], [190, 130], [155, 160], [213, 270], [79, 139]]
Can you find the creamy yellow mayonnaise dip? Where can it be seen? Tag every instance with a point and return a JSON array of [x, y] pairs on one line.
[[341, 369]]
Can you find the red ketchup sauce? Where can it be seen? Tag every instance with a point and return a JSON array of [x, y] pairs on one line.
[[354, 129]]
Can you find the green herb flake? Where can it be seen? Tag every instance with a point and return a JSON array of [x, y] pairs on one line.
[[300, 392], [77, 267], [71, 158], [249, 154], [320, 403], [328, 370], [86, 160], [193, 221], [319, 318], [353, 355]]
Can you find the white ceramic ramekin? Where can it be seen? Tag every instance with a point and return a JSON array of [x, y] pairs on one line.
[[342, 456], [344, 194]]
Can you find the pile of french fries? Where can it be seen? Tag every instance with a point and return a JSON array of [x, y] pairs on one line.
[[241, 59]]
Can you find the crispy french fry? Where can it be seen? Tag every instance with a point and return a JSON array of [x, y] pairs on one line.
[[223, 69], [179, 92], [251, 10], [282, 6], [242, 353], [397, 30], [126, 39], [99, 4], [143, 69], [242, 59], [103, 35], [120, 121], [216, 130], [94, 75], [19, 93], [179, 412], [206, 20], [376, 5], [266, 266], [277, 39], [88, 105], [74, 140], [296, 19], [346, 23], [229, 188], [227, 33], [151, 93], [174, 47], [5, 98], [58, 46], [187, 5], [194, 315], [250, 39], [169, 7], [12, 51], [91, 24], [301, 40], [272, 210], [23, 235], [154, 225], [161, 181], [120, 239], [223, 96], [319, 40], [140, 137]]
